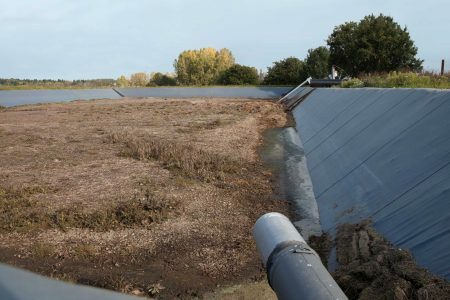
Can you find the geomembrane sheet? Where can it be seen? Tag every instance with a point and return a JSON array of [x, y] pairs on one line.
[[383, 154]]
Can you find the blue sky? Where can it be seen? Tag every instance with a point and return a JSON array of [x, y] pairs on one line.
[[106, 38]]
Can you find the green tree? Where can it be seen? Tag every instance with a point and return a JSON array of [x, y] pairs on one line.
[[139, 79], [240, 75], [122, 81], [318, 62], [375, 44], [287, 71], [203, 66], [160, 79]]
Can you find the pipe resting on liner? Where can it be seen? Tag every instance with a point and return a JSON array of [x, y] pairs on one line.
[[294, 270]]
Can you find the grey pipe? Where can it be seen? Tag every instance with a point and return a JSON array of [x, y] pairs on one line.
[[294, 270]]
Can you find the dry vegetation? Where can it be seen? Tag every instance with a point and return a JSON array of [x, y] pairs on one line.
[[149, 197], [400, 80]]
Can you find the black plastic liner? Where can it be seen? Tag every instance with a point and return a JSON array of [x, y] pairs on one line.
[[383, 154]]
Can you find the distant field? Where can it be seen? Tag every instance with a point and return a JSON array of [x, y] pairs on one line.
[[148, 197]]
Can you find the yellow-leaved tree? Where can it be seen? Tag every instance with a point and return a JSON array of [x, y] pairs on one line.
[[203, 66], [122, 81], [139, 79]]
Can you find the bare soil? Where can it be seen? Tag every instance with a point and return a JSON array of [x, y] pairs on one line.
[[152, 197]]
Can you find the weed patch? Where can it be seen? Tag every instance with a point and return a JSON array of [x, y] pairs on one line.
[[209, 125], [84, 251], [202, 125], [181, 158], [42, 250], [17, 213], [136, 212], [400, 80]]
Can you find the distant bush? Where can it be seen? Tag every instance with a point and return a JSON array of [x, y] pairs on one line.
[[401, 80], [352, 83], [317, 62], [122, 81], [160, 79], [290, 70], [139, 79], [240, 75]]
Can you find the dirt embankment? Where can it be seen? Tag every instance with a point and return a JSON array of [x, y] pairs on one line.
[[371, 268], [148, 197]]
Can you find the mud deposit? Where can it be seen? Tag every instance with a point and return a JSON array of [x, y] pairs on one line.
[[371, 268]]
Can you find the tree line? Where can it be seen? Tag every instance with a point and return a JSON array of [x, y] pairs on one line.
[[58, 83], [375, 44], [208, 66]]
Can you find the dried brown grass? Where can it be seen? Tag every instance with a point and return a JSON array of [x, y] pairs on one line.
[[181, 158], [16, 208], [171, 185], [17, 213]]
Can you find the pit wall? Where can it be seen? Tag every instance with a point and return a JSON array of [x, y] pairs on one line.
[[17, 284], [383, 154], [283, 153], [263, 92], [21, 97]]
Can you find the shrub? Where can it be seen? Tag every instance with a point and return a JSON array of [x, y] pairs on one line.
[[352, 83], [122, 81], [407, 80], [160, 79], [287, 71], [240, 75], [400, 80]]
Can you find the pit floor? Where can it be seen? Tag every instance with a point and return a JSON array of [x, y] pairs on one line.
[[151, 197]]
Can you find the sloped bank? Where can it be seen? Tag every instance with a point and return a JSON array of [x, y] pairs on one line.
[[21, 97], [384, 155], [283, 152]]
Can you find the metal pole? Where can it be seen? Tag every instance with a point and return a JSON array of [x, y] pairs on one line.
[[333, 72], [442, 67], [294, 270], [308, 80]]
